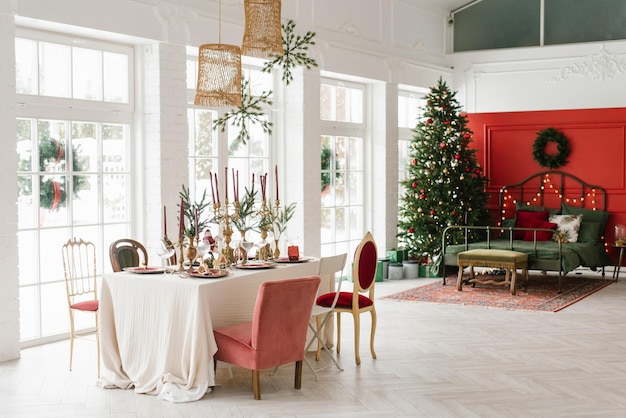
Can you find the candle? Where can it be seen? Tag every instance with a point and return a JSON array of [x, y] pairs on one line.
[[212, 188], [196, 224], [226, 183], [253, 182], [164, 221], [262, 180], [217, 189], [234, 185], [181, 218], [276, 183], [237, 185]]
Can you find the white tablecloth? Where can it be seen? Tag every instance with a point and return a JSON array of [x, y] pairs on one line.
[[156, 330]]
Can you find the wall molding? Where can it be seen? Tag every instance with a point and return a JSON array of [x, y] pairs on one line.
[[602, 66]]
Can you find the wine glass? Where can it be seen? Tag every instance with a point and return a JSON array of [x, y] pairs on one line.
[[165, 252], [247, 246]]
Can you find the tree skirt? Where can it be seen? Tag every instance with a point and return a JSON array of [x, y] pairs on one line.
[[541, 295]]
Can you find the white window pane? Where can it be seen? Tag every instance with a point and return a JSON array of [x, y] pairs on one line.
[[115, 200], [26, 243], [29, 313], [86, 202], [116, 73], [327, 102], [50, 260], [54, 311], [54, 70], [87, 74], [192, 74], [356, 105], [26, 80]]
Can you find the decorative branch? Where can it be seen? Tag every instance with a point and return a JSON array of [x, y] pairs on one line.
[[250, 111], [295, 52]]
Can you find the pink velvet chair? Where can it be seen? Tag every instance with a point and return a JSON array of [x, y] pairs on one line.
[[361, 299], [277, 333]]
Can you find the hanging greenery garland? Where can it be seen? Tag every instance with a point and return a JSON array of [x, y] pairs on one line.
[[52, 189], [547, 160]]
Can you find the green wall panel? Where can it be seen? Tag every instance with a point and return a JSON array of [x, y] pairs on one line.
[[573, 21], [493, 24]]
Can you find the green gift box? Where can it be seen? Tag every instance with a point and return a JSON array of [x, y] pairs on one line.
[[425, 271], [397, 256]]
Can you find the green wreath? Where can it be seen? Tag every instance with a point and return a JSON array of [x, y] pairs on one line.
[[547, 160], [52, 190]]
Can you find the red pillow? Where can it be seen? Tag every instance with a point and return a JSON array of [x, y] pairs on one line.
[[541, 235], [524, 219]]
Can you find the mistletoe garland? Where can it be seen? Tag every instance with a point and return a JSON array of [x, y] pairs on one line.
[[295, 49], [250, 111], [546, 160]]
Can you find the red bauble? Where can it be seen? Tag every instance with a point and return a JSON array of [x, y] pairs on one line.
[[442, 145], [414, 185], [477, 171], [467, 169], [467, 136], [446, 122], [422, 196], [432, 212], [411, 230], [414, 161], [429, 120], [457, 156], [453, 213]]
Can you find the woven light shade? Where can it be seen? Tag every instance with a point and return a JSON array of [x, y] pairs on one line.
[[262, 36], [219, 76]]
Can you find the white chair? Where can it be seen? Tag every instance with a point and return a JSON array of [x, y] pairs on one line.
[[327, 266]]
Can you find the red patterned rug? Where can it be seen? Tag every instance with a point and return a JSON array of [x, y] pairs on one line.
[[541, 295]]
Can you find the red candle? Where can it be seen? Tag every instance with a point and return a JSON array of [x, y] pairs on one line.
[[164, 221], [234, 185], [196, 223], [237, 185], [253, 182], [212, 188], [217, 189], [276, 183], [181, 218], [226, 182]]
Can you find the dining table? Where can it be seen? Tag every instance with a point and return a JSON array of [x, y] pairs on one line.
[[156, 327]]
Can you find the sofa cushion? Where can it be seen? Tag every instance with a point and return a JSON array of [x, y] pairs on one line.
[[567, 227], [524, 219], [541, 235]]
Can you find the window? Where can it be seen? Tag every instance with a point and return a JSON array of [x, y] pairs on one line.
[[215, 151], [342, 107], [410, 109], [73, 142]]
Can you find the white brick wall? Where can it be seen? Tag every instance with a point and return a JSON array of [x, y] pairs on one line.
[[9, 307]]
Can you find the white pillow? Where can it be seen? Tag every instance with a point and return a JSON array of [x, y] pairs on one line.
[[567, 227]]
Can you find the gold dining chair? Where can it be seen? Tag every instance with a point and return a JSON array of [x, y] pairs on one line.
[[79, 267], [361, 299]]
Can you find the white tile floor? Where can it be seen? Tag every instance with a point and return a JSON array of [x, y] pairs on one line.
[[433, 361]]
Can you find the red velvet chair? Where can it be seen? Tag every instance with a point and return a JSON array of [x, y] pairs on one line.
[[361, 299], [277, 333]]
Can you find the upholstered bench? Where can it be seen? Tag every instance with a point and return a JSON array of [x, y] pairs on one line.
[[504, 259]]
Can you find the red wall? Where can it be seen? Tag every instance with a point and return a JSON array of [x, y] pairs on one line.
[[597, 139]]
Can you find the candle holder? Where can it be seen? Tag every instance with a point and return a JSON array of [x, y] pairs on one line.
[[227, 232], [181, 258], [276, 237], [265, 251], [191, 251]]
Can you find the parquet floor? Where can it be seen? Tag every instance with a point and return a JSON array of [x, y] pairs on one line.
[[433, 361]]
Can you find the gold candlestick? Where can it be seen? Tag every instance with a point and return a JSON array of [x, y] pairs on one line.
[[191, 251], [276, 250], [181, 258]]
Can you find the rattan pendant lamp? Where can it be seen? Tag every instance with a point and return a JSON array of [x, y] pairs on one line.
[[262, 36], [219, 73]]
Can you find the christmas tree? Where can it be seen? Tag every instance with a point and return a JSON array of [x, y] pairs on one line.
[[444, 182]]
